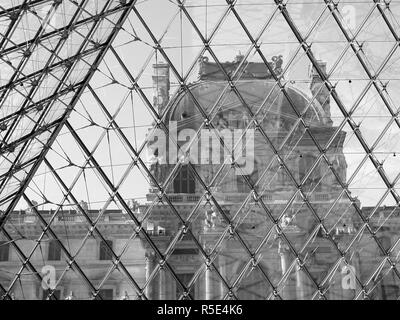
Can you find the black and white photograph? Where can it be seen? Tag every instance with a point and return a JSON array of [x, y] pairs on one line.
[[213, 150]]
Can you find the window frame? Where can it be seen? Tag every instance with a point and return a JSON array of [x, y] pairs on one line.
[[4, 251], [184, 182], [102, 248], [54, 248]]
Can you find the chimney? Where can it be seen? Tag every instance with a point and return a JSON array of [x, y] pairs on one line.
[[160, 85], [320, 92]]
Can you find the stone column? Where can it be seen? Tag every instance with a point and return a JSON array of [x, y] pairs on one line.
[[302, 284], [208, 284], [222, 270], [284, 253], [162, 277], [150, 265]]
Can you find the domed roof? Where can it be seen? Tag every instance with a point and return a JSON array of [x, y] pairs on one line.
[[263, 98]]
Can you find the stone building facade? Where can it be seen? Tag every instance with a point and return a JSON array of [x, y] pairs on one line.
[[89, 251], [230, 232], [298, 181]]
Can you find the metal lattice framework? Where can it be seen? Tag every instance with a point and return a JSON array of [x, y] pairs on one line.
[[77, 113]]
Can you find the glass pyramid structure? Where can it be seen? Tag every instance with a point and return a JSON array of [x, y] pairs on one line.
[[199, 149]]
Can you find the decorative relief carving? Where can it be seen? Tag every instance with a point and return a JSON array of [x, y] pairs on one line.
[[277, 62], [288, 223], [250, 70]]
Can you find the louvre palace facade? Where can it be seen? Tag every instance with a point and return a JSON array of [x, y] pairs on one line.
[[287, 228]]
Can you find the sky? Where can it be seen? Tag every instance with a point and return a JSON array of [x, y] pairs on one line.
[[182, 45]]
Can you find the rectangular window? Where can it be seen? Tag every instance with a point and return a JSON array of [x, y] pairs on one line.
[[106, 294], [105, 253], [54, 253], [4, 250]]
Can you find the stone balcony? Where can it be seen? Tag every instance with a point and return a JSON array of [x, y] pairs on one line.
[[69, 217], [273, 197]]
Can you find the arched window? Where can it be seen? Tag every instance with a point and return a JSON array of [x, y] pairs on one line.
[[184, 181]]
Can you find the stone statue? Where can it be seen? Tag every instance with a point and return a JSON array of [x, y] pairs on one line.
[[286, 221], [70, 296], [339, 165], [210, 219], [156, 169], [125, 296], [221, 122], [277, 63]]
